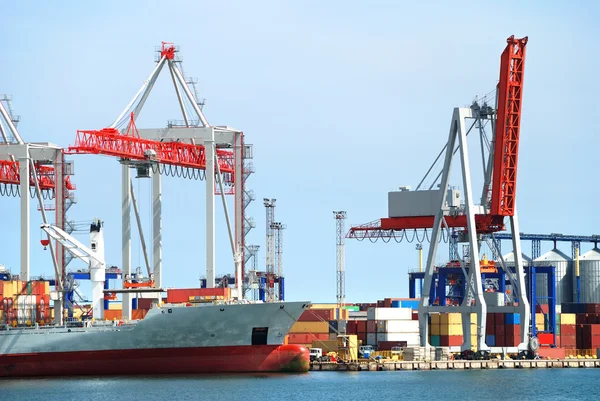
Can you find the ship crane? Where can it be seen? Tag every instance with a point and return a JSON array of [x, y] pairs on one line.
[[441, 209], [93, 256]]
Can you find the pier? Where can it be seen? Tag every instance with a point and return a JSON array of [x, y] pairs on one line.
[[454, 365]]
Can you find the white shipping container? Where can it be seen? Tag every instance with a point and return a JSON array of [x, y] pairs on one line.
[[411, 339], [389, 314], [401, 326], [371, 339]]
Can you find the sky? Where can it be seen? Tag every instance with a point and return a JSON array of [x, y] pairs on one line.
[[343, 102]]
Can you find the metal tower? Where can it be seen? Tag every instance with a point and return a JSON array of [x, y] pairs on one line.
[[278, 233], [253, 278], [340, 217], [270, 270]]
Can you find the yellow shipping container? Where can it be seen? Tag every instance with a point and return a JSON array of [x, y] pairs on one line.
[[115, 306], [310, 327], [539, 327], [451, 330], [7, 289], [435, 330], [323, 306], [326, 346], [539, 319], [453, 318], [435, 318], [567, 318]]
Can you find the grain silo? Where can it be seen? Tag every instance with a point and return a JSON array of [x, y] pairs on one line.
[[509, 261], [589, 273], [564, 276]]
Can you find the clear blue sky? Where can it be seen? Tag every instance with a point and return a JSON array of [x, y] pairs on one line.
[[343, 101]]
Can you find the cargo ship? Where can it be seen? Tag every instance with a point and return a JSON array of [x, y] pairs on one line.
[[171, 339]]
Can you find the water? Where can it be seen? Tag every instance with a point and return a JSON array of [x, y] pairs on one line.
[[521, 384]]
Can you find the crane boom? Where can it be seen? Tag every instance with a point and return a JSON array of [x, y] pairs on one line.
[[72, 245], [506, 146]]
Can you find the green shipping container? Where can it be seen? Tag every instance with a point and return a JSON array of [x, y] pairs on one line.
[[352, 308], [435, 341]]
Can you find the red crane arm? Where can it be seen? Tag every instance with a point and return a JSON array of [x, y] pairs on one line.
[[483, 223], [9, 174], [110, 142], [506, 147]]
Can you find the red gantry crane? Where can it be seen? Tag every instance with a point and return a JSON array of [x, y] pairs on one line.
[[441, 209], [193, 150]]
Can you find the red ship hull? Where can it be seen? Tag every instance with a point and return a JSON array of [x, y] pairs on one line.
[[231, 359]]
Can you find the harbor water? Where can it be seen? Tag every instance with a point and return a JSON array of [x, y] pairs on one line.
[[527, 384]]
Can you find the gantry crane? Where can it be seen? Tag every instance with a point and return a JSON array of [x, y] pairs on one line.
[[441, 209], [186, 151], [42, 167]]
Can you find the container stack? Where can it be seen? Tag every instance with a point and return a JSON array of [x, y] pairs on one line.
[[24, 303], [580, 326], [319, 324], [393, 326]]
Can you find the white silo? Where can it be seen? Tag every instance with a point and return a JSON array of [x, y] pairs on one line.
[[509, 261], [589, 273], [563, 272]]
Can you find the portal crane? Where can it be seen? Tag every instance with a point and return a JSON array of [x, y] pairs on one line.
[[441, 208], [192, 151]]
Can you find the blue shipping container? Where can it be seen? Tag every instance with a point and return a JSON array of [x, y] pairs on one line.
[[409, 304], [435, 341], [512, 318], [395, 304], [490, 340]]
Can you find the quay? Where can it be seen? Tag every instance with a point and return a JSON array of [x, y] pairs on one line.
[[454, 365]]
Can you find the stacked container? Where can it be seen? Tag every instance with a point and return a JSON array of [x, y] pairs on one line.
[[319, 323], [24, 303], [392, 326]]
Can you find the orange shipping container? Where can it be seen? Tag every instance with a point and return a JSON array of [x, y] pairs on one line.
[[138, 314], [182, 295], [310, 327], [113, 314], [302, 338]]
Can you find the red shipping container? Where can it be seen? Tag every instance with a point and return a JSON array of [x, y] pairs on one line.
[[362, 337], [499, 330], [387, 345], [568, 329], [371, 326], [351, 327], [306, 338], [553, 353], [144, 303], [500, 340], [512, 329], [415, 315], [595, 329], [581, 318], [512, 340], [592, 308], [546, 338], [361, 326], [315, 315], [568, 341]]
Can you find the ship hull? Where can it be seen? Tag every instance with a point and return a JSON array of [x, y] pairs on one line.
[[236, 359], [171, 339]]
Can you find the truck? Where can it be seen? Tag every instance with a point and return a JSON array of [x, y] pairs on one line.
[[364, 351], [315, 354]]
